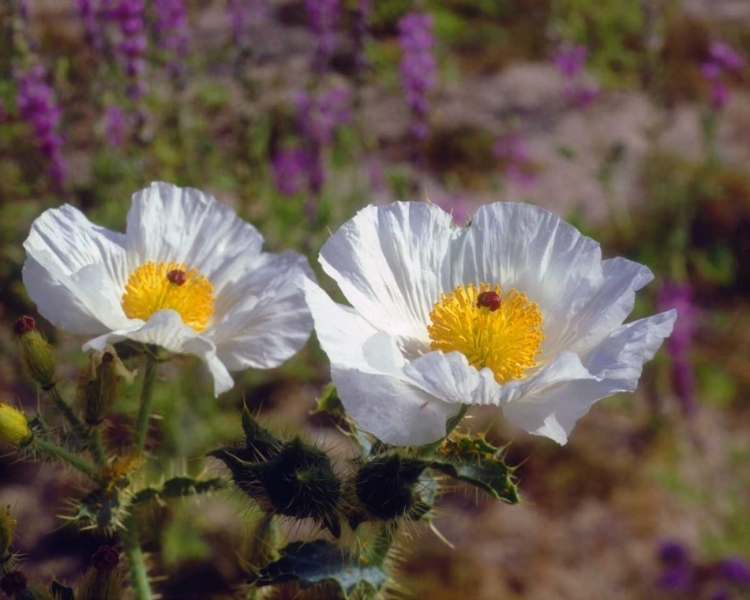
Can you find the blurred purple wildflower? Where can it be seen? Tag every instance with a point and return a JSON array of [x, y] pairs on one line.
[[722, 59], [37, 105], [724, 56], [323, 15], [129, 15], [115, 124], [290, 169], [676, 579], [516, 157], [172, 27], [319, 117], [418, 68], [361, 31], [242, 15], [88, 11], [672, 553], [570, 60], [735, 570], [679, 297]]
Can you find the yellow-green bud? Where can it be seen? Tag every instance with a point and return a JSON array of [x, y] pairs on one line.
[[7, 532], [14, 428], [97, 384], [36, 354]]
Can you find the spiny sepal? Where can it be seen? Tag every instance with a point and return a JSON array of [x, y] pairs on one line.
[[473, 460], [321, 563], [389, 487], [293, 478]]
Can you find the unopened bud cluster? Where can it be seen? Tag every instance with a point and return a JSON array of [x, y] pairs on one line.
[[98, 384]]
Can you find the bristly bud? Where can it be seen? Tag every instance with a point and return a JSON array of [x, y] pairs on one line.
[[13, 583], [292, 478], [7, 533], [14, 428], [103, 581], [36, 353], [97, 384], [386, 488]]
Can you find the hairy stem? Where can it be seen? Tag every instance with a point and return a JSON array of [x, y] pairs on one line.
[[136, 560], [55, 451], [141, 426], [64, 407], [96, 446]]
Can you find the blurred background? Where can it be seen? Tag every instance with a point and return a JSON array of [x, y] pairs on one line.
[[630, 119]]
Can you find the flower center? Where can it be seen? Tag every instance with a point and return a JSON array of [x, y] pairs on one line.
[[500, 332], [168, 285]]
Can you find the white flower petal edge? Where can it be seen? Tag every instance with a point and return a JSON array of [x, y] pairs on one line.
[[76, 273], [392, 262]]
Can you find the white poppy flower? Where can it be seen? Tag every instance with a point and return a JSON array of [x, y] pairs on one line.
[[517, 310], [188, 275]]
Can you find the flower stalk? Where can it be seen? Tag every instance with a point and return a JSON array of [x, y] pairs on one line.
[[55, 451], [141, 426], [136, 561]]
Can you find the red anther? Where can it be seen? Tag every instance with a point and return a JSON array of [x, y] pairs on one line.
[[107, 358], [490, 300], [177, 277], [24, 325]]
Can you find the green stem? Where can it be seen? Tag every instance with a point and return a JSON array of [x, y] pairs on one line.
[[56, 451], [96, 446], [64, 407], [136, 560], [141, 426]]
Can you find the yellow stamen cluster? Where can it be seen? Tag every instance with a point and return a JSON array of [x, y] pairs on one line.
[[506, 340], [168, 285]]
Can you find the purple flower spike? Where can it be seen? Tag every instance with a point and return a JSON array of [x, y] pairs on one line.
[[570, 60], [172, 27], [323, 16], [723, 54], [679, 296], [37, 105], [735, 570], [243, 14], [290, 168], [418, 69], [88, 12], [115, 124], [516, 157], [673, 553]]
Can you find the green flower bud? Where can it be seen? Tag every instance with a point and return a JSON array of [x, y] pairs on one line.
[[295, 479], [98, 382], [386, 488], [36, 353], [14, 428], [7, 533]]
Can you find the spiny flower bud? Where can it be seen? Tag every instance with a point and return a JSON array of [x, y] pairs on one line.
[[294, 479], [105, 558], [13, 583], [385, 488], [97, 384], [7, 532], [14, 428], [103, 581], [36, 353]]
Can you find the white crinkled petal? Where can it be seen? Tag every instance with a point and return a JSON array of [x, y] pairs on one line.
[[348, 339], [615, 364], [169, 223], [267, 320], [392, 263], [166, 329], [392, 409], [535, 251], [75, 271]]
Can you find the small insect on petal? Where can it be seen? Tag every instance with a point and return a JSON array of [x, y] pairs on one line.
[[490, 300], [177, 277]]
